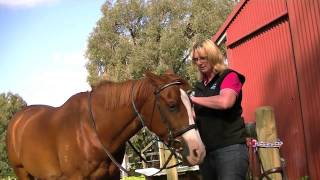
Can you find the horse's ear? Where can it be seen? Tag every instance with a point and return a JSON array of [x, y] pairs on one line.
[[154, 79], [169, 72], [185, 85]]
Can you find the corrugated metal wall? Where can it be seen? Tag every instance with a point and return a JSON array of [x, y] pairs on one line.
[[305, 27], [275, 43]]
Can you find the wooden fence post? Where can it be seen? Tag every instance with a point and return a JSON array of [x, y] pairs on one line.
[[172, 173], [267, 132]]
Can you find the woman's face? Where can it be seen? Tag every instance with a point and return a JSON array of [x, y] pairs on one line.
[[201, 60]]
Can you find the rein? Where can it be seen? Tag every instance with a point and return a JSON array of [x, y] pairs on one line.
[[103, 147], [172, 134]]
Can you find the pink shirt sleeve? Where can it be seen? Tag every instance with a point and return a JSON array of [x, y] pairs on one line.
[[231, 81]]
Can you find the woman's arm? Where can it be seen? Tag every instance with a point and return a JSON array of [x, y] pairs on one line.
[[230, 88], [224, 100]]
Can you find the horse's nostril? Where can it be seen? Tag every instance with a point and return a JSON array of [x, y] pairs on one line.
[[195, 153]]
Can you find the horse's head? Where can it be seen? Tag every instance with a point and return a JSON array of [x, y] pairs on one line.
[[172, 114]]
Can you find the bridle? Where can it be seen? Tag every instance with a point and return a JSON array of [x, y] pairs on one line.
[[172, 134]]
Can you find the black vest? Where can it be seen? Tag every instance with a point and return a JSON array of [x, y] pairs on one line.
[[219, 128]]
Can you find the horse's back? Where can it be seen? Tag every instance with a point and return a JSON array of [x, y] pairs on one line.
[[27, 136], [22, 120], [38, 121], [35, 135]]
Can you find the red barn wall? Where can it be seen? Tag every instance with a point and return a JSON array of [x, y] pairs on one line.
[[275, 44]]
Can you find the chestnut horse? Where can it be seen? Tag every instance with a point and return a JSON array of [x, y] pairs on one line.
[[69, 142]]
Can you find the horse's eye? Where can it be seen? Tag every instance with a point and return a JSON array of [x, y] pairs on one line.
[[173, 108]]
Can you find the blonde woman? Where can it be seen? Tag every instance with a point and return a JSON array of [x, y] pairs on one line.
[[217, 105]]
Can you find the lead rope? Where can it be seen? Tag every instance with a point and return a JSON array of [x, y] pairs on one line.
[[137, 152], [142, 123], [103, 147], [255, 144], [134, 106]]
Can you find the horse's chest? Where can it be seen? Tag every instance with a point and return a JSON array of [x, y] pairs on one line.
[[77, 160], [89, 170], [105, 171]]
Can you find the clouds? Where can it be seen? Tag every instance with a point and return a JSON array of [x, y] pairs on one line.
[[64, 76], [25, 3], [53, 81]]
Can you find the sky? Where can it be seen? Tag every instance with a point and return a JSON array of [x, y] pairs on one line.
[[42, 47]]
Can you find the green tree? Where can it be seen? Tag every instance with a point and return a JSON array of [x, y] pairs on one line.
[[9, 105], [138, 35]]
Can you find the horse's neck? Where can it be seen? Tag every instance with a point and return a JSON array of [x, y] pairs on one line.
[[142, 92], [116, 126]]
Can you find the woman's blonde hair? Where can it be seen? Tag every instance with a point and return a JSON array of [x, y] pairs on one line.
[[213, 54]]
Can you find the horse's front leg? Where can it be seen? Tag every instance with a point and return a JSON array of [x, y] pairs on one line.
[[22, 174]]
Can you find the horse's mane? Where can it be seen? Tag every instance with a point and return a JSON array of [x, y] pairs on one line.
[[119, 94]]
